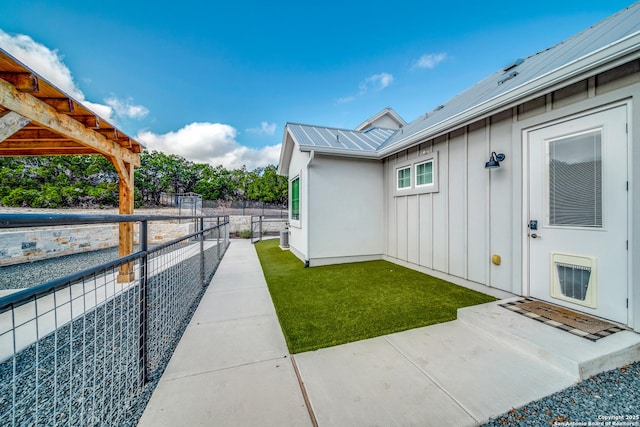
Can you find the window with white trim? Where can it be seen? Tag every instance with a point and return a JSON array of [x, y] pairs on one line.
[[424, 173], [404, 178], [295, 198], [418, 175]]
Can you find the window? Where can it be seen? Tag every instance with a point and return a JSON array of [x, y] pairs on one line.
[[416, 176], [575, 180], [404, 178], [424, 173], [295, 198]]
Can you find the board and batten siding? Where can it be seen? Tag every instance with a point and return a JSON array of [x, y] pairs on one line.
[[476, 212], [449, 230]]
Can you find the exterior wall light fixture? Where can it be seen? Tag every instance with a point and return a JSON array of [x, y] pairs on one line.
[[494, 161]]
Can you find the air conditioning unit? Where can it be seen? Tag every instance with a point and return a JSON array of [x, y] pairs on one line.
[[284, 239]]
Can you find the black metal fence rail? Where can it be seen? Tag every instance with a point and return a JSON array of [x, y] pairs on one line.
[[83, 349]]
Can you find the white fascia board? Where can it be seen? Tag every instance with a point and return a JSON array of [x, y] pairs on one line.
[[341, 152], [623, 47], [285, 152]]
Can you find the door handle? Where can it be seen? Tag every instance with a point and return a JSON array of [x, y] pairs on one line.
[[535, 236]]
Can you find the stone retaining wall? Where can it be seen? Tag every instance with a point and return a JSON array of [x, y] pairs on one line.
[[34, 244], [25, 245]]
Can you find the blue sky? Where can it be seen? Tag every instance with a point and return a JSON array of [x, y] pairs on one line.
[[216, 81]]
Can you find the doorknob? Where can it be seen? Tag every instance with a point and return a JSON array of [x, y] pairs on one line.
[[535, 236]]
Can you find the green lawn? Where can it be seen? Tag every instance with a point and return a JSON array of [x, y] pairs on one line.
[[324, 306]]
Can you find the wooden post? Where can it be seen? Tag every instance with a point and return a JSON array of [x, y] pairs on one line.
[[125, 243]]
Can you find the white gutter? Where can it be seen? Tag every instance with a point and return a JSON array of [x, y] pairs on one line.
[[341, 152], [307, 211]]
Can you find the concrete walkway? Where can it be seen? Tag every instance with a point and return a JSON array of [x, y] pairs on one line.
[[232, 366]]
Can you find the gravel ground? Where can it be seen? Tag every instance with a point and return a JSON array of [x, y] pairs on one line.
[[611, 398], [30, 274], [86, 373]]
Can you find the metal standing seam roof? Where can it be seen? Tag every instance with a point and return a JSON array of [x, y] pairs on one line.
[[330, 139], [617, 27]]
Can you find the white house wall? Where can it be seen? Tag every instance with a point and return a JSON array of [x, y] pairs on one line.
[[346, 208], [477, 212], [298, 236], [449, 231]]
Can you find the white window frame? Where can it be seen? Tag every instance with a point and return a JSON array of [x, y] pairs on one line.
[[416, 173], [293, 221], [413, 165], [398, 170]]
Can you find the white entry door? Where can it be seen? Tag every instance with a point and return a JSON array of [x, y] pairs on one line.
[[578, 214]]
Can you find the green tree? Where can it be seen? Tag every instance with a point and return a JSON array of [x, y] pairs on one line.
[[214, 183], [269, 187]]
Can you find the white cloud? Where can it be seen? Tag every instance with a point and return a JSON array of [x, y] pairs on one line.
[[42, 60], [125, 108], [265, 128], [429, 60], [104, 111], [213, 143], [375, 82], [49, 64]]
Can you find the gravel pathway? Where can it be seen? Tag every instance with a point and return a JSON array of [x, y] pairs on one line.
[[608, 399], [30, 274], [87, 372]]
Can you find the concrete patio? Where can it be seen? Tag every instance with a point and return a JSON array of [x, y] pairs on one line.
[[232, 365]]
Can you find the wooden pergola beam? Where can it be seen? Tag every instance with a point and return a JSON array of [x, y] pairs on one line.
[[61, 105], [89, 121], [23, 81], [34, 134], [38, 111], [38, 119], [126, 205], [10, 123]]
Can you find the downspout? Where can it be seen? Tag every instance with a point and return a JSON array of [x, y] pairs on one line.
[[306, 210]]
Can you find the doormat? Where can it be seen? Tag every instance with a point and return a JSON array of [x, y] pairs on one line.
[[579, 324]]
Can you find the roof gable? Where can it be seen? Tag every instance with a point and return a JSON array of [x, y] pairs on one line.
[[387, 118]]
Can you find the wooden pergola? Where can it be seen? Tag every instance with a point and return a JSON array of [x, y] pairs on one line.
[[38, 119]]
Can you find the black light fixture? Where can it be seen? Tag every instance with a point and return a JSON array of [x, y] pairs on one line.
[[494, 161]]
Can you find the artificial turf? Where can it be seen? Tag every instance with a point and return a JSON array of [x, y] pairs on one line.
[[324, 306]]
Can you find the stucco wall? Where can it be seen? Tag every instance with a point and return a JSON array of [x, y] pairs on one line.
[[346, 205], [298, 232]]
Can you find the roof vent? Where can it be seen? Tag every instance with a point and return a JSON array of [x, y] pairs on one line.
[[439, 107], [513, 65], [508, 77]]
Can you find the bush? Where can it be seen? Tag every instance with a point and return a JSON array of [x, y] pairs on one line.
[[49, 197], [245, 234], [20, 197]]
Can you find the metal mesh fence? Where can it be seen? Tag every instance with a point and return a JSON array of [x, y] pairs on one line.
[[265, 226], [81, 351]]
